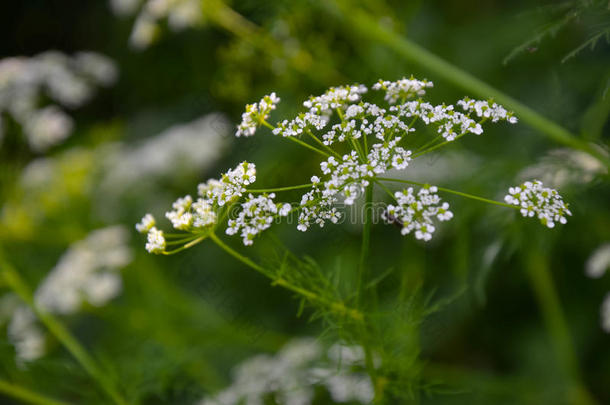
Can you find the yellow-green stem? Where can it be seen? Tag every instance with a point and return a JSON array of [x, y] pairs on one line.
[[26, 395], [537, 268]]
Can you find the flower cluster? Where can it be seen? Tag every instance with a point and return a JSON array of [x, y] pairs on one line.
[[302, 122], [487, 109], [231, 185], [536, 200], [87, 272], [415, 212], [68, 80], [256, 114], [379, 139], [335, 97], [180, 14], [402, 89], [256, 215], [294, 373]]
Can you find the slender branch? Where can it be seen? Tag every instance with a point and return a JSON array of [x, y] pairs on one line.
[[25, 395], [339, 307], [315, 138], [273, 190], [447, 190], [14, 280]]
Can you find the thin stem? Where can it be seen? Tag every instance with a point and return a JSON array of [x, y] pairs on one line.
[[308, 146], [460, 78], [25, 395], [188, 245], [273, 190], [440, 145], [447, 190], [362, 273], [17, 284], [366, 236], [537, 266], [383, 186], [315, 138], [297, 140], [336, 306]]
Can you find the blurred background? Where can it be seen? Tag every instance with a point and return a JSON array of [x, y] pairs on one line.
[[113, 108]]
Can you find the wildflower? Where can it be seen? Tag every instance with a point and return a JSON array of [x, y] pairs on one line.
[[256, 114], [598, 262], [535, 200], [204, 214], [230, 187], [416, 212], [487, 109], [402, 89], [147, 222], [335, 97], [294, 374], [76, 276], [156, 241], [256, 215], [181, 216]]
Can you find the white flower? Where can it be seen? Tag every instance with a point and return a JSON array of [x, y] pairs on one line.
[[156, 241], [181, 216], [147, 222], [535, 200], [73, 279], [256, 215], [255, 115], [69, 81], [416, 212], [26, 335], [204, 214], [487, 109], [335, 97], [291, 376], [402, 89], [598, 262], [230, 187]]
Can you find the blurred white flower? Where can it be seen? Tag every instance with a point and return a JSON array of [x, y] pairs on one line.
[[562, 167], [69, 81], [290, 377], [86, 272], [191, 147], [180, 14], [598, 262], [48, 127], [25, 334]]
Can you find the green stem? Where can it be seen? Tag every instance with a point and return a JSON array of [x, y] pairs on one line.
[[297, 140], [537, 266], [435, 147], [273, 190], [408, 50], [16, 283], [447, 190], [315, 138], [308, 146], [25, 395], [339, 307], [362, 272], [188, 245]]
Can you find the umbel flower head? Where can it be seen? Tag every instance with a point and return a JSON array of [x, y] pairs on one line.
[[358, 144], [533, 199]]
